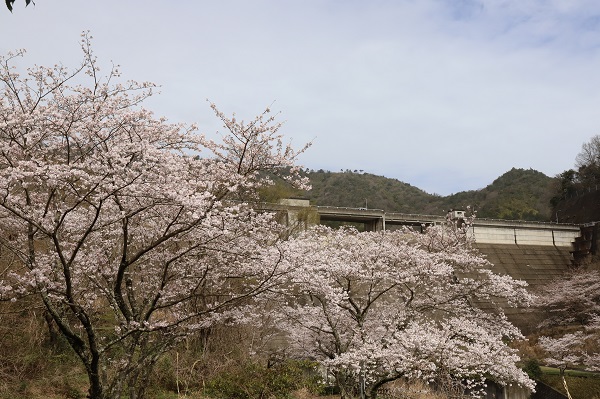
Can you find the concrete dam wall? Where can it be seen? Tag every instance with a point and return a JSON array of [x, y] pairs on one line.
[[535, 264]]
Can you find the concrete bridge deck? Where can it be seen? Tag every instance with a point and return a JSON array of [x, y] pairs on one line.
[[490, 231]]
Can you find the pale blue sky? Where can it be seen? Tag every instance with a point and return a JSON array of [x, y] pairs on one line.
[[443, 95]]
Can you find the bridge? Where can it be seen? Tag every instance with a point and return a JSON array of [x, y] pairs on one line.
[[485, 231]]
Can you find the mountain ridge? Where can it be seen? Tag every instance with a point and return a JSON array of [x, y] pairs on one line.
[[522, 194]]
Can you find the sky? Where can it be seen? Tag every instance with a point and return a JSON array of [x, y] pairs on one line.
[[446, 95]]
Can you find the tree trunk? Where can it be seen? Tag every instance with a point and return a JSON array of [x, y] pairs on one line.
[[95, 391], [346, 384], [53, 335]]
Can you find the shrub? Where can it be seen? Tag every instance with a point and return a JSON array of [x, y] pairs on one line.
[[252, 380], [533, 370]]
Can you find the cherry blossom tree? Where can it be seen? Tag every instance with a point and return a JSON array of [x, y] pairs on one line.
[[125, 225], [572, 303], [374, 307]]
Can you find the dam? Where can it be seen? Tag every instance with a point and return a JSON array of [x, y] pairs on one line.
[[536, 252]]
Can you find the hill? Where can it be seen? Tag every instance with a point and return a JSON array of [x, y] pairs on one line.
[[358, 190], [518, 194]]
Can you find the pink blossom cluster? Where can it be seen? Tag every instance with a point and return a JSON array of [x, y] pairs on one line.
[[105, 208], [572, 303], [378, 306]]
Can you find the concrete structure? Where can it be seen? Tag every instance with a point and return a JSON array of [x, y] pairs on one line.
[[536, 264], [485, 231], [535, 252], [296, 213], [518, 232]]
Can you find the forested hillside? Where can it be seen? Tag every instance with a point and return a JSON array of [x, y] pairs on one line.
[[359, 190], [518, 194]]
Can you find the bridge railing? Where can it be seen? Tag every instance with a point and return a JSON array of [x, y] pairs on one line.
[[414, 215], [534, 222], [349, 208]]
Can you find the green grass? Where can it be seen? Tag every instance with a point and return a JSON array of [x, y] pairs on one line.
[[582, 384], [569, 373]]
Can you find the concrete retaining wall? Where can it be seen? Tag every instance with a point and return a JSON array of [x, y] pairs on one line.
[[525, 236]]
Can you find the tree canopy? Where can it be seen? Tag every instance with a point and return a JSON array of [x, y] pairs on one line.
[[572, 308], [127, 227], [374, 307], [587, 163], [586, 175]]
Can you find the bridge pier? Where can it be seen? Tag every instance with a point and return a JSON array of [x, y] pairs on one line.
[[375, 225]]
